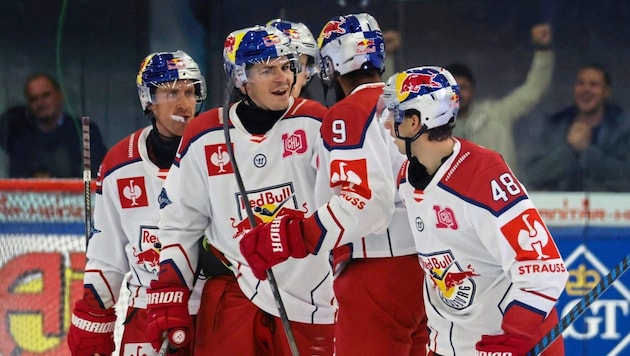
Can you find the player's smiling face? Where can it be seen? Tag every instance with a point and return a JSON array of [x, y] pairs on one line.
[[269, 84], [174, 104]]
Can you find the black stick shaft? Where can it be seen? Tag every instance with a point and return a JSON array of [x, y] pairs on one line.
[[580, 307]]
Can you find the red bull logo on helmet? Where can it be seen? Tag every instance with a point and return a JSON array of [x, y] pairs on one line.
[[271, 40], [415, 82], [365, 46], [333, 27], [292, 33], [175, 63]]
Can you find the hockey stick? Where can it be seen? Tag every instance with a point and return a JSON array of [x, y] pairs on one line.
[[250, 215], [163, 348], [87, 178], [580, 307]]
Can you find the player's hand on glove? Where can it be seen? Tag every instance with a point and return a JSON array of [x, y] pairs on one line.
[[167, 313], [91, 331], [504, 345], [268, 244]]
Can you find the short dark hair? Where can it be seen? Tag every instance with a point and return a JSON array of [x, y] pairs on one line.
[[439, 133], [598, 67], [38, 75], [461, 70]]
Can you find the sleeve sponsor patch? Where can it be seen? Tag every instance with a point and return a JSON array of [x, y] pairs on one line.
[[132, 192], [218, 160], [529, 237], [351, 175]]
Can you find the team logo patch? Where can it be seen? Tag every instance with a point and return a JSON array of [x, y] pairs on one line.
[[294, 143], [445, 218], [218, 160], [529, 237], [147, 253], [456, 284], [132, 192], [266, 204], [351, 176]]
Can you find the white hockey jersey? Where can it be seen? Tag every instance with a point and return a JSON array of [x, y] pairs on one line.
[[278, 170], [482, 244], [356, 183], [125, 233]]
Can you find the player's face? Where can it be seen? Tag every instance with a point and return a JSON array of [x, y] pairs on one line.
[[590, 90], [269, 84], [44, 101], [389, 125], [173, 106]]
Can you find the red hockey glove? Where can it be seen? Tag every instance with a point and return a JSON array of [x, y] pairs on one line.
[[167, 312], [269, 244], [91, 331], [504, 345]]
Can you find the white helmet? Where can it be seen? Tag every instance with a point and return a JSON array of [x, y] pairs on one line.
[[351, 42], [432, 91], [258, 44], [163, 67], [303, 41]]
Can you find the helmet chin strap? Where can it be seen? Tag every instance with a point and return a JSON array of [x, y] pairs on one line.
[[409, 140]]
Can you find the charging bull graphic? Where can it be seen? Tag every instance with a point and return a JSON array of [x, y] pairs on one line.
[[456, 285]]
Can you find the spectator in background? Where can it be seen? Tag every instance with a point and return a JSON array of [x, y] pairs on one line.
[[489, 123], [41, 140], [584, 147], [392, 45]]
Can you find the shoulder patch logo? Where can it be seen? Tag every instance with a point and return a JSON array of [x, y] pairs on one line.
[[218, 160], [132, 192], [529, 237], [351, 175]]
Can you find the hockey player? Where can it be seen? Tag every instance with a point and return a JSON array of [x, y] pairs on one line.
[[125, 236], [306, 46], [378, 279], [493, 272], [274, 138]]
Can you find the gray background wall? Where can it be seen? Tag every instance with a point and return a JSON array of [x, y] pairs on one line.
[[103, 42]]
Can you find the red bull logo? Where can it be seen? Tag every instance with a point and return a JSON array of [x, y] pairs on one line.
[[365, 46], [265, 205], [292, 33], [175, 63], [414, 82], [333, 27], [453, 279], [452, 284], [148, 253], [271, 40]]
